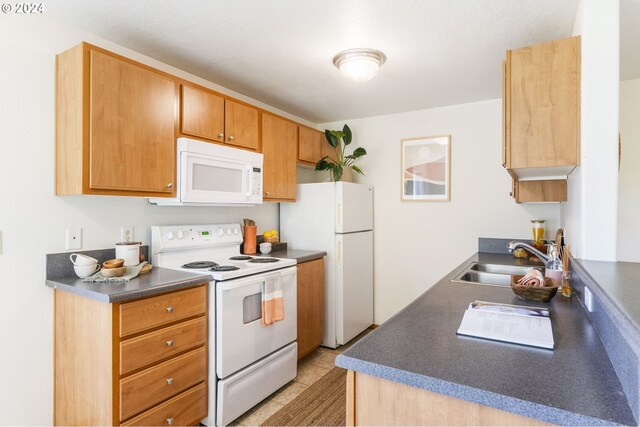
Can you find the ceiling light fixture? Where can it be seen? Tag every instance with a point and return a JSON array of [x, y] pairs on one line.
[[360, 64]]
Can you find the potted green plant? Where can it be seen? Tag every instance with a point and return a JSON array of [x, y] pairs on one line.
[[339, 139]]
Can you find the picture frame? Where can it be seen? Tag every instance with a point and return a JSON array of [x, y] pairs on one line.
[[426, 169]]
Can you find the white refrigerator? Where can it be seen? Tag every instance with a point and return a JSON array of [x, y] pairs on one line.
[[337, 218]]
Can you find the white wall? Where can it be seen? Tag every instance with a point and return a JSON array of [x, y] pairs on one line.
[[33, 220], [417, 243], [591, 213], [629, 182]]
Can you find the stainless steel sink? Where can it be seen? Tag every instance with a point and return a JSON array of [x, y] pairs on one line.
[[489, 274], [500, 269]]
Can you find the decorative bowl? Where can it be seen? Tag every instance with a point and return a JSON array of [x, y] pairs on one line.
[[113, 263], [533, 293]]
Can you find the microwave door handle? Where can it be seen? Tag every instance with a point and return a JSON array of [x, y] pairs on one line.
[[249, 182]]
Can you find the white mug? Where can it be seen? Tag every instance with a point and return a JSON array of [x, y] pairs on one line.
[[129, 252], [82, 259], [83, 271], [265, 248]]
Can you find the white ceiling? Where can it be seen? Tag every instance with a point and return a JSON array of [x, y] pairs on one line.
[[629, 39], [439, 52]]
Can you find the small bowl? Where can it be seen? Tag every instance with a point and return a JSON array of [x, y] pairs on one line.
[[113, 272], [265, 248], [533, 293], [113, 263]]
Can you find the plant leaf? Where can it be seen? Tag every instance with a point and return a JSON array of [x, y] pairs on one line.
[[337, 173], [331, 138], [359, 152], [337, 133], [347, 135], [322, 164], [357, 169]]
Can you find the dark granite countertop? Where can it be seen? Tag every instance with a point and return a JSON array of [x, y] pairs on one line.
[[158, 280], [299, 256], [621, 283], [575, 384]]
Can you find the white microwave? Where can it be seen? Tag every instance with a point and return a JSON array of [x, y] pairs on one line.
[[211, 174]]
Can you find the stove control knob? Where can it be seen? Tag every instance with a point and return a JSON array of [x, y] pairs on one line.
[[228, 232], [170, 235], [220, 232], [179, 234], [235, 231]]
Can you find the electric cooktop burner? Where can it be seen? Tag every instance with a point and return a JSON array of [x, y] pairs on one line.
[[241, 258], [263, 260], [224, 268], [200, 264]]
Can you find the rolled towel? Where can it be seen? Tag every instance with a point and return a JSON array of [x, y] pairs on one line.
[[533, 277]]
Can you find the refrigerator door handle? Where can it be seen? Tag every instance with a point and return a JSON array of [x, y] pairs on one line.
[[340, 252]]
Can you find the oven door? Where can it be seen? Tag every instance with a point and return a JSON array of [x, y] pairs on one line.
[[240, 337], [214, 180]]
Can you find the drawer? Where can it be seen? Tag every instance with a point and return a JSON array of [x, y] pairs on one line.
[[186, 408], [138, 316], [149, 348], [146, 388]]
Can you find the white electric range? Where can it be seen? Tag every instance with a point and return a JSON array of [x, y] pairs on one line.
[[247, 361]]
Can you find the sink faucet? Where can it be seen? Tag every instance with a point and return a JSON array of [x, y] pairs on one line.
[[513, 245]]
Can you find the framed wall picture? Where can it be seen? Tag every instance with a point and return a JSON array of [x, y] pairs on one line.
[[426, 168]]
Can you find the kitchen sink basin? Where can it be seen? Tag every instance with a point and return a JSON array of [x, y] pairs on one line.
[[500, 269], [489, 274]]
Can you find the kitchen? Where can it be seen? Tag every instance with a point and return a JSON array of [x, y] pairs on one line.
[[408, 259]]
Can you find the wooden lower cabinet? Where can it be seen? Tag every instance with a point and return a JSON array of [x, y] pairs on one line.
[[142, 362], [375, 401], [310, 306]]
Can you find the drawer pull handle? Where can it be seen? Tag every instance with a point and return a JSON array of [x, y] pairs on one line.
[[170, 421], [170, 309], [169, 381], [170, 343]]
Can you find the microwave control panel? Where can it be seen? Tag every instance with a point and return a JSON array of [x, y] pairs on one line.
[[257, 182]]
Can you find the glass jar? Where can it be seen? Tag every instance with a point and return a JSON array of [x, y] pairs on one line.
[[537, 227]]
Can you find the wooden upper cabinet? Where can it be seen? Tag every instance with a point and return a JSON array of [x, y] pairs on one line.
[[115, 126], [309, 145], [202, 114], [279, 147], [241, 125], [542, 108]]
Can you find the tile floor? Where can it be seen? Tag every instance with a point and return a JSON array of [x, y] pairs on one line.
[[310, 369]]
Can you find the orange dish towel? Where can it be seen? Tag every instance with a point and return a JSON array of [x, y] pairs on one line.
[[272, 301]]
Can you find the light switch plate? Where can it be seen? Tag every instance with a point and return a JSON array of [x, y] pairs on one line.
[[73, 239]]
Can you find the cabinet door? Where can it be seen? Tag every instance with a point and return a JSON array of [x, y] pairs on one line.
[[132, 126], [544, 104], [310, 306], [279, 140], [241, 125], [309, 145], [202, 114]]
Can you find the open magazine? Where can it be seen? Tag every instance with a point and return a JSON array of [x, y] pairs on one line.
[[509, 323]]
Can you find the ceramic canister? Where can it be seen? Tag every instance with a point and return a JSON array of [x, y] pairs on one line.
[[129, 252]]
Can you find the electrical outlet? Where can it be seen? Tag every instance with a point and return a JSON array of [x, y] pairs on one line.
[[74, 239], [588, 299], [126, 233]]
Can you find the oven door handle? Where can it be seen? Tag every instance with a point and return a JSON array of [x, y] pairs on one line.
[[240, 283]]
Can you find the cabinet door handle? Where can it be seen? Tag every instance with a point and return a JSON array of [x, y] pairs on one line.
[[221, 135], [170, 421], [266, 193], [170, 343], [170, 185], [169, 381], [231, 138], [170, 309]]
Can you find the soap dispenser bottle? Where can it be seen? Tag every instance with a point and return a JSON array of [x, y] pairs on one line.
[[553, 267]]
